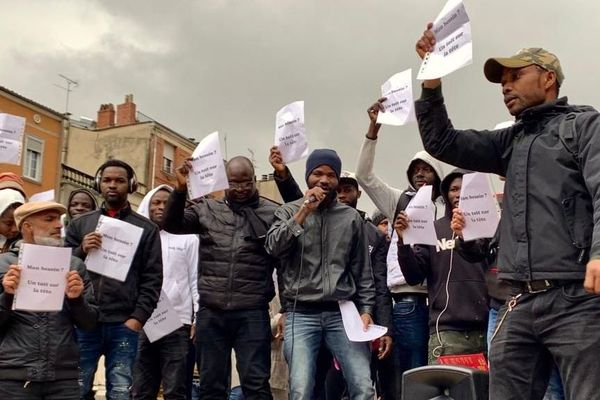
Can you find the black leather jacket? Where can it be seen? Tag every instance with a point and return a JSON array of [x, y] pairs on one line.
[[324, 260]]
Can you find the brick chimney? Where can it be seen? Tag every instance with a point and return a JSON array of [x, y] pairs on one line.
[[126, 112], [106, 116]]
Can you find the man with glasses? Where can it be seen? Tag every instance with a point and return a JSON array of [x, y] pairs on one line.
[[234, 279]]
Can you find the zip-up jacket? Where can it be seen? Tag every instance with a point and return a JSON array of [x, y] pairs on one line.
[[550, 222], [41, 346], [235, 272], [137, 296], [325, 259], [378, 248]]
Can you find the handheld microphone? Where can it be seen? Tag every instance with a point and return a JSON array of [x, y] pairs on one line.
[[311, 199]]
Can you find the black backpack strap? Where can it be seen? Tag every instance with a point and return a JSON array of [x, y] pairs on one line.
[[402, 204]]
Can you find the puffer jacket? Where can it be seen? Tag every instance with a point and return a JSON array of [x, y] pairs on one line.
[[41, 346], [138, 295], [551, 198], [235, 271], [324, 260]]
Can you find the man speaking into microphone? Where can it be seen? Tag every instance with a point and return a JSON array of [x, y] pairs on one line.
[[324, 259]]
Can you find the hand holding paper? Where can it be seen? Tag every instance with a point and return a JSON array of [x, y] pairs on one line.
[[479, 207], [398, 104], [207, 174], [420, 229], [74, 285], [290, 134], [11, 279], [354, 324], [43, 280], [446, 44]]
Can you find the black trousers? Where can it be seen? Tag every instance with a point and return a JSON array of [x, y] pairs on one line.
[[166, 361], [67, 389], [248, 332], [559, 326]]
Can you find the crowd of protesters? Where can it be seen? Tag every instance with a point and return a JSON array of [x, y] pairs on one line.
[[263, 280]]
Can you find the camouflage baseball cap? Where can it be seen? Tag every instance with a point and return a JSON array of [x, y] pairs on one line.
[[524, 57]]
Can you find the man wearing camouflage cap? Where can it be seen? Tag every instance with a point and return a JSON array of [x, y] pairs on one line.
[[550, 227]]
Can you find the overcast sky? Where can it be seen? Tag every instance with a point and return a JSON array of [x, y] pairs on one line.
[[206, 65]]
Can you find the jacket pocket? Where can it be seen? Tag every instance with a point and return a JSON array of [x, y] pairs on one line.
[[578, 216]]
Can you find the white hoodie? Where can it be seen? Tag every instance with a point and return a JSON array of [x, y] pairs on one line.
[[180, 265], [386, 200]]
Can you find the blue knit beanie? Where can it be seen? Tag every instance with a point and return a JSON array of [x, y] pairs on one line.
[[323, 157]]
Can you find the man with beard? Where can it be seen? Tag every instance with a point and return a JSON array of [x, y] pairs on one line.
[[234, 280], [124, 306], [456, 288], [348, 193], [550, 229], [38, 350], [165, 361], [325, 258]]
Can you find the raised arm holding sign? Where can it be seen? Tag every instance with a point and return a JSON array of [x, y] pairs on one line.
[[207, 173], [452, 46], [398, 104], [290, 134]]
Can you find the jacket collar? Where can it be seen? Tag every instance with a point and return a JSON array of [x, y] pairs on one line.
[[122, 213]]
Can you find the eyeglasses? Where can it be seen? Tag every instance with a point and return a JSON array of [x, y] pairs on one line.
[[241, 185]]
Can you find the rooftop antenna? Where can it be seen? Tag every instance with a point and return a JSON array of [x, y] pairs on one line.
[[70, 83]]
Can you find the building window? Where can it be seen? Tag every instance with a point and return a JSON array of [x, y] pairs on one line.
[[34, 150], [168, 158]]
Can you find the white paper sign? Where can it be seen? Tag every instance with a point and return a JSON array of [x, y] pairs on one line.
[[290, 134], [164, 319], [12, 128], [48, 195], [395, 277], [399, 105], [420, 219], [479, 206], [453, 47], [353, 325], [120, 241], [208, 170], [43, 277]]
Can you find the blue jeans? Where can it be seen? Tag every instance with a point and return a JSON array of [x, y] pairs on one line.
[[555, 389], [411, 338], [118, 344], [303, 335]]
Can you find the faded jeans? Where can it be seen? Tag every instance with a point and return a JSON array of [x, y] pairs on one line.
[[411, 334], [302, 340], [119, 345]]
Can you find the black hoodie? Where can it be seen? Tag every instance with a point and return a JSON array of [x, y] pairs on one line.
[[468, 305]]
